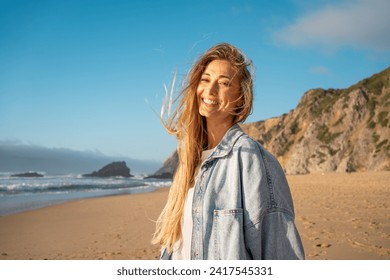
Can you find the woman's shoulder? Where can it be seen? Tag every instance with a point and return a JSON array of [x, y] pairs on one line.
[[243, 145], [246, 141], [250, 147]]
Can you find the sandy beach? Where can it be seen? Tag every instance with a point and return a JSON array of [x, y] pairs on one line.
[[339, 216]]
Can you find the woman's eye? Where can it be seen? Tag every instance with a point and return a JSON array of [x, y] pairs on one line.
[[225, 83]]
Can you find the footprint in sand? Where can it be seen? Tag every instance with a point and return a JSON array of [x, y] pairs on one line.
[[323, 245], [375, 225], [110, 254], [311, 255], [306, 222]]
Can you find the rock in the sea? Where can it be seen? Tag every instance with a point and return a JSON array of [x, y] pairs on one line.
[[114, 169], [28, 175]]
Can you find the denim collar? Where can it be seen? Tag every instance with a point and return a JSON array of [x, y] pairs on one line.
[[229, 139]]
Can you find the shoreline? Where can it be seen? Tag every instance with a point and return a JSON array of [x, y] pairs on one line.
[[23, 194], [17, 204], [339, 216]]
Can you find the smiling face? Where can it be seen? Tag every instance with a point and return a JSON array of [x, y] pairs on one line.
[[218, 92]]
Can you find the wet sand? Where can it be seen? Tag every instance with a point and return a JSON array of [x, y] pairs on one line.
[[339, 216]]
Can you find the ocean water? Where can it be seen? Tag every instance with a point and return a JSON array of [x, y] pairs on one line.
[[22, 194]]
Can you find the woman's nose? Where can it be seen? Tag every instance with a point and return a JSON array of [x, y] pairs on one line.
[[213, 88]]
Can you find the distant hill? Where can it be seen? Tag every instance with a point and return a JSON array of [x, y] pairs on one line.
[[23, 158], [330, 130]]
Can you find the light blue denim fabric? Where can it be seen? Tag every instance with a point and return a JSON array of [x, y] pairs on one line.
[[242, 207]]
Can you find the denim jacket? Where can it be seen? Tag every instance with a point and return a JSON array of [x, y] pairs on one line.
[[242, 207]]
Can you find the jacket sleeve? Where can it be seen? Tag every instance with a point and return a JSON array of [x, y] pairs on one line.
[[270, 231]]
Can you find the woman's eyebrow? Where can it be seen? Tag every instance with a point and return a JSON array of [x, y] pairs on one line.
[[225, 76], [220, 76]]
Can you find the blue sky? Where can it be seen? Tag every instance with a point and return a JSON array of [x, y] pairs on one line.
[[90, 75]]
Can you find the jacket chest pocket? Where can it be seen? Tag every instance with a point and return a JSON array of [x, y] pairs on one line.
[[228, 234]]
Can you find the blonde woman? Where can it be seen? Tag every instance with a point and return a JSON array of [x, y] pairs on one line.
[[229, 198]]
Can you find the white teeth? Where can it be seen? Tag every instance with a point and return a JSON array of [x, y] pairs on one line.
[[210, 102]]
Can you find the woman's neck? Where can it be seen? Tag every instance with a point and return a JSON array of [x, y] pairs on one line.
[[215, 132]]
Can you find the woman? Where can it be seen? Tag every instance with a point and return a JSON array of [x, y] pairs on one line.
[[229, 198]]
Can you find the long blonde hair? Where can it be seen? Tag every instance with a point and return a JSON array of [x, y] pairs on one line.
[[190, 129]]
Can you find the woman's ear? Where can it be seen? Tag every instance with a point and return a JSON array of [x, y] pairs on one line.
[[240, 103], [239, 106]]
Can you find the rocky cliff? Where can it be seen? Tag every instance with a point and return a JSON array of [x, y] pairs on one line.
[[333, 129], [168, 168], [330, 130]]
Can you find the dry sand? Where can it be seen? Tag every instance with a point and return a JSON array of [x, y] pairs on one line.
[[339, 216], [343, 216]]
